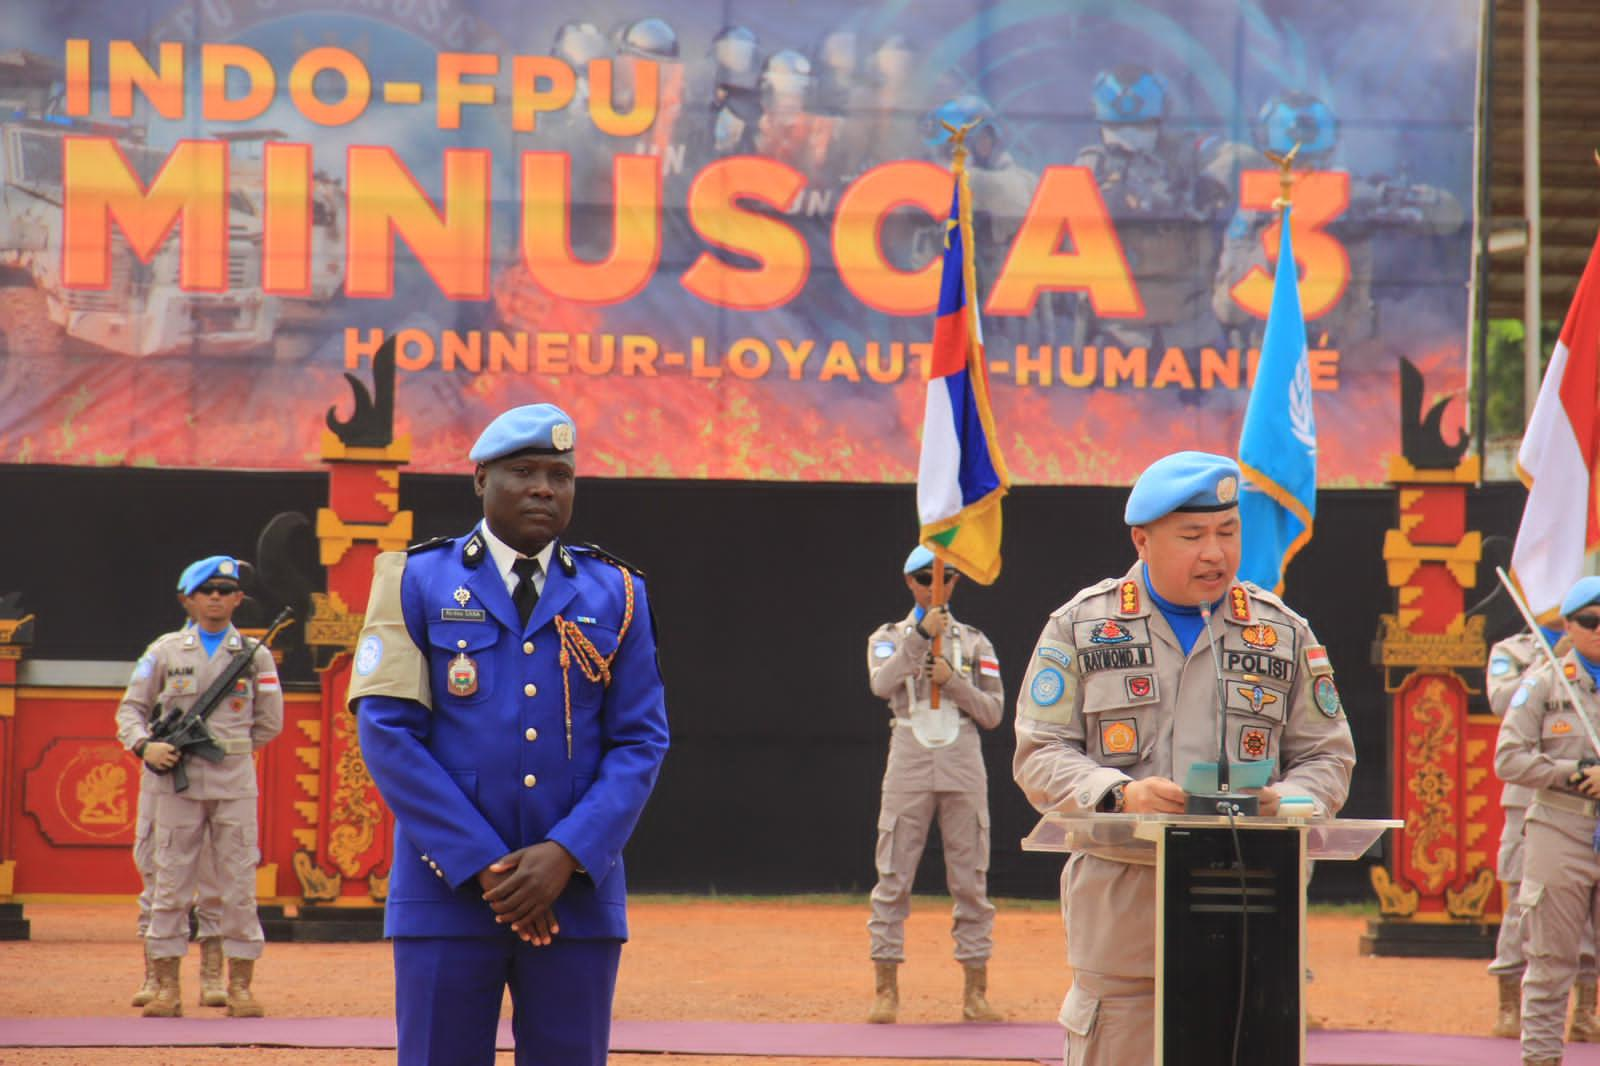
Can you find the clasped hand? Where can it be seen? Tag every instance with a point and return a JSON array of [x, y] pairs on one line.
[[523, 886]]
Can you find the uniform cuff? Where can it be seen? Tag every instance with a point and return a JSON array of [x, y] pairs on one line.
[[1093, 788]]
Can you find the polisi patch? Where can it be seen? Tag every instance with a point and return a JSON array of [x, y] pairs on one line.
[[1255, 662], [1119, 736]]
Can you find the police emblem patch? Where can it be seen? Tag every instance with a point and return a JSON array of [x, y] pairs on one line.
[[461, 595], [1571, 670], [1048, 685], [1259, 697], [1327, 696], [1253, 742], [462, 676], [369, 655], [1109, 631], [1119, 736], [1560, 727], [1140, 685], [1259, 636]]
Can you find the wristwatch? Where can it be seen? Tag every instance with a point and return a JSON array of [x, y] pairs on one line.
[[1114, 800]]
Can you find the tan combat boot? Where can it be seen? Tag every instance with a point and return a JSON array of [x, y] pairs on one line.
[[168, 1001], [886, 982], [213, 989], [1585, 1028], [147, 991], [1508, 1021], [241, 1004], [974, 1003]]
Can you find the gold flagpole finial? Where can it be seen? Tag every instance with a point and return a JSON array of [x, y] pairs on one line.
[[958, 139], [1285, 164]]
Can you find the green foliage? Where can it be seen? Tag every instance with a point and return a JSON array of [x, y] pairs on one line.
[[1504, 403]]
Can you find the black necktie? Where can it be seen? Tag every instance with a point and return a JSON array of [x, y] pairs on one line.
[[525, 595]]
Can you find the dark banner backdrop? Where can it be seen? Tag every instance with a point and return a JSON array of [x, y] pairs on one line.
[[764, 595]]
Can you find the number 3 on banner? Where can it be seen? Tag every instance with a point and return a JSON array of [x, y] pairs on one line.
[[1319, 198]]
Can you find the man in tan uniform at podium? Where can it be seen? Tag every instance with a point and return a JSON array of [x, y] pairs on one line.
[[1509, 661], [935, 770], [1545, 745], [1120, 699]]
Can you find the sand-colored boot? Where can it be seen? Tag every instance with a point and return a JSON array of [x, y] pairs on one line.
[[887, 985], [1585, 1028], [1508, 1019], [241, 1004], [974, 999], [1541, 1062], [213, 989], [147, 991], [168, 1001]]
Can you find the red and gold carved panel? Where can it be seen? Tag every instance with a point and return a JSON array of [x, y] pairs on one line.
[[83, 792]]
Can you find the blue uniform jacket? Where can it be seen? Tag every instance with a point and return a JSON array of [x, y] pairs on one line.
[[486, 773]]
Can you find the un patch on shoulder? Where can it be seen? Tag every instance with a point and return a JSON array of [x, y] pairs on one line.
[[369, 655], [144, 667]]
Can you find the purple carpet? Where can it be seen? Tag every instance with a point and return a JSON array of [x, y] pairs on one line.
[[1032, 1042]]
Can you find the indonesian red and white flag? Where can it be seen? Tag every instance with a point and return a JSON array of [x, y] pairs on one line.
[[1560, 458]]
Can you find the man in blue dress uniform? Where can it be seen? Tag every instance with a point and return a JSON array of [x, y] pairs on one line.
[[512, 715]]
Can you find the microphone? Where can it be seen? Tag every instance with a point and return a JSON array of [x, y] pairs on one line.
[[1223, 800]]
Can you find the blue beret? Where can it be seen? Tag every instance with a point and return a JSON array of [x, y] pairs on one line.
[[1183, 481], [919, 559], [540, 427], [196, 573], [1585, 592]]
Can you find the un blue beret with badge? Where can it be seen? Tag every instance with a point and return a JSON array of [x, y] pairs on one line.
[[197, 573], [535, 427], [1183, 481], [1585, 592]]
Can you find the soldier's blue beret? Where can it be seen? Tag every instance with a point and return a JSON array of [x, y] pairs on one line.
[[538, 427], [1585, 592], [919, 559], [197, 573], [1183, 481]]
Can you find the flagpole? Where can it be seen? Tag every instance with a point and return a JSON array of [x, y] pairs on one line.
[[958, 170], [938, 634]]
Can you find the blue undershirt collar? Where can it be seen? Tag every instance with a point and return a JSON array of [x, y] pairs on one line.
[[211, 641], [1186, 622], [1593, 668]]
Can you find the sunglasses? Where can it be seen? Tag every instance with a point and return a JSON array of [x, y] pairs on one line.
[[1587, 621], [925, 577], [216, 590]]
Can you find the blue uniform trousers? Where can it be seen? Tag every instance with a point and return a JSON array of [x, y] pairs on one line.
[[448, 992]]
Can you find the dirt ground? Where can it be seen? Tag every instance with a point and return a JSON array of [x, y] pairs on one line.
[[764, 961]]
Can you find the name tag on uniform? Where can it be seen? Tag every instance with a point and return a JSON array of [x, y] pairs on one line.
[[461, 614]]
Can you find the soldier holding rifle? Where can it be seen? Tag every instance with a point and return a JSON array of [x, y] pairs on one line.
[[200, 702]]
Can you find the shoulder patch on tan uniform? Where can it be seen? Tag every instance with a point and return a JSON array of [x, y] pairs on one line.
[[1051, 690], [1317, 663], [387, 662]]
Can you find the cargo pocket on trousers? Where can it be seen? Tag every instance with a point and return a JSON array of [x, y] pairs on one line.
[[884, 857], [1078, 1014], [1530, 892], [983, 841], [248, 844]]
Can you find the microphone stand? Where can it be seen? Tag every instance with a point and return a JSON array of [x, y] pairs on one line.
[[1223, 800]]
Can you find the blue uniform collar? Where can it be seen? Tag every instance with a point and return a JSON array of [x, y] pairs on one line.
[[1593, 668]]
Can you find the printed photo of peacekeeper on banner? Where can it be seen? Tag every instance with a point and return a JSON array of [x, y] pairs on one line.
[[725, 216]]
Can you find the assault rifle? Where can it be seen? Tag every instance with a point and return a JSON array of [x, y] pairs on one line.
[[186, 730]]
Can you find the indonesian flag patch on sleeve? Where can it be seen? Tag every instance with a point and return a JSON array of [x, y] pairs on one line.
[[267, 683], [1317, 664], [988, 667]]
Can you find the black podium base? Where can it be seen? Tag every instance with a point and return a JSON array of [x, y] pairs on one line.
[[323, 925], [1432, 940], [13, 926]]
